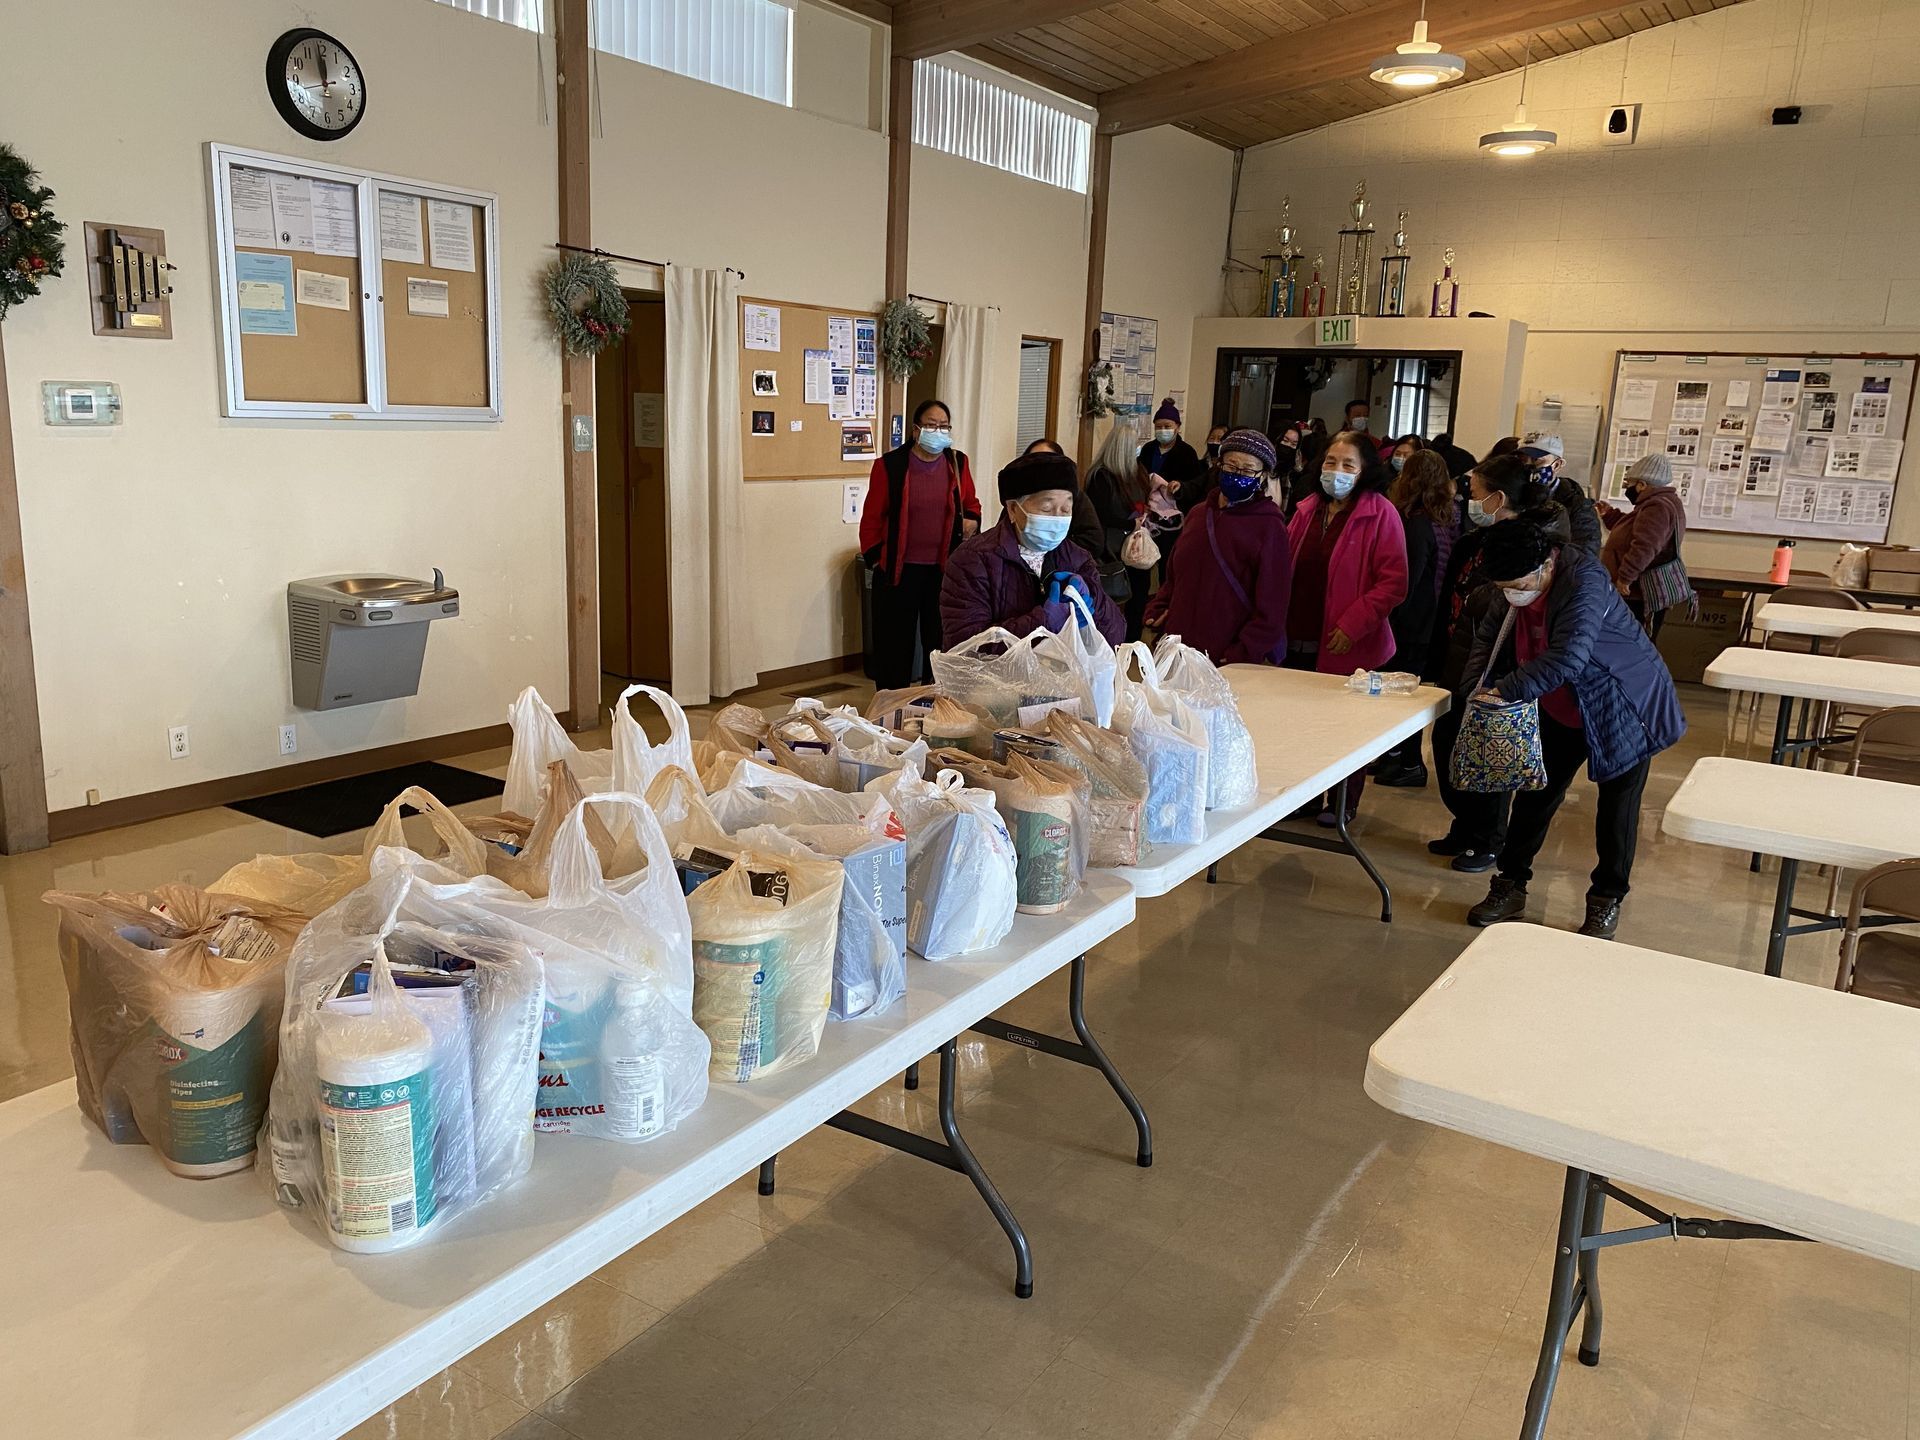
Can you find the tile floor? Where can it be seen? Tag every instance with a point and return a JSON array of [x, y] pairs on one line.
[[1298, 1263]]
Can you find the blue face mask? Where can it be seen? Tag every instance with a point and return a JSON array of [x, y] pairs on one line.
[[1337, 483], [1237, 489], [1399, 463], [935, 440], [1478, 514], [1045, 533]]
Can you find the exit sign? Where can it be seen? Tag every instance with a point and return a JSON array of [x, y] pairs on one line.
[[1335, 330]]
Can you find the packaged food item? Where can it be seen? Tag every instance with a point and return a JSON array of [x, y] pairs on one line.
[[1117, 784], [962, 874], [174, 996], [1233, 779]]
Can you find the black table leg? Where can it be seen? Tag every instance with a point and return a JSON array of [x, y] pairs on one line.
[[1594, 1222], [766, 1174], [1781, 724], [1562, 1304], [1782, 911], [1366, 863]]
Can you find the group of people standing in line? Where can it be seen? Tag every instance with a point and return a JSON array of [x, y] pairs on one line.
[[1499, 579]]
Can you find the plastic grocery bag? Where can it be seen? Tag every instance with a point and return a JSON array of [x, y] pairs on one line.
[[520, 851], [1118, 785], [962, 875], [635, 760], [866, 752], [1232, 778], [174, 1001], [950, 725], [538, 740], [1170, 741], [1082, 660], [683, 812], [999, 682], [1044, 807], [739, 728], [804, 745], [763, 945], [895, 709], [1853, 567], [619, 958], [760, 794], [407, 1074]]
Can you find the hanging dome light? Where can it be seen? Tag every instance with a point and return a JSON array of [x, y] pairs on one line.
[[1519, 136], [1418, 63]]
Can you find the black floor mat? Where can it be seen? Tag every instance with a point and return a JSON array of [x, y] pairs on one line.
[[337, 806]]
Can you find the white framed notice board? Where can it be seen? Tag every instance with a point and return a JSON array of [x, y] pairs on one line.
[[1802, 446]]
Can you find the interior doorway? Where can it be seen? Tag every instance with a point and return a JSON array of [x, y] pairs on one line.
[[630, 383], [1039, 391], [1408, 393], [924, 383]]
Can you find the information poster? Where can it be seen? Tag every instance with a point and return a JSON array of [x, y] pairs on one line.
[[1131, 345]]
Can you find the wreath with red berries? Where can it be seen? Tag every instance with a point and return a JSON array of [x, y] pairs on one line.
[[30, 245], [588, 308]]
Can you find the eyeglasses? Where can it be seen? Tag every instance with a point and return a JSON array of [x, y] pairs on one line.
[[1243, 474], [937, 429]]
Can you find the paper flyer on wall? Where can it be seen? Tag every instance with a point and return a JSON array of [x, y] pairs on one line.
[[1808, 454], [1868, 414], [856, 441], [1685, 478], [1819, 411], [760, 327], [401, 239], [1630, 442], [840, 341], [292, 199], [866, 395], [1731, 423], [1636, 399], [321, 290], [1717, 496], [1876, 506], [336, 218], [1781, 390], [840, 395], [818, 365], [1689, 402], [1773, 429], [1797, 499], [1739, 394], [1727, 457], [1683, 443], [1764, 473], [450, 234], [427, 297], [250, 204], [1863, 458], [1614, 487], [1834, 505], [866, 343], [265, 291]]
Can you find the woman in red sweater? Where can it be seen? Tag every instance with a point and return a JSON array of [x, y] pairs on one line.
[[1230, 576]]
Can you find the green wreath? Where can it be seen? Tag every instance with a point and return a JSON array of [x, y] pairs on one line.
[[30, 245], [584, 297], [906, 342]]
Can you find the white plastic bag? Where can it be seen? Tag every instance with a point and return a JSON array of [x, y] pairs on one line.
[[1232, 778], [1171, 743], [763, 943], [1852, 567], [760, 794], [1138, 551], [392, 1109], [999, 683], [1118, 782], [962, 875], [538, 741], [867, 751], [1081, 657], [683, 811], [804, 745], [635, 760]]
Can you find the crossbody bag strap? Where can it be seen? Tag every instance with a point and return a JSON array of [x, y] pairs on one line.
[[1493, 655], [1233, 581]]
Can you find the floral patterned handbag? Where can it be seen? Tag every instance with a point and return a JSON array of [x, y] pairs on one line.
[[1498, 748]]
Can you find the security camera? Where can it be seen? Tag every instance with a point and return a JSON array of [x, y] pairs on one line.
[[1621, 126]]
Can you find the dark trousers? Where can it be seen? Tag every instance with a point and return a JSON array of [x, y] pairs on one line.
[[906, 625], [1639, 607], [1616, 821], [1479, 821], [1357, 781], [1141, 582]]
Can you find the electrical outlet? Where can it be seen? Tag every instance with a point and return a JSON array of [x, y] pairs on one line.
[[289, 740], [177, 743]]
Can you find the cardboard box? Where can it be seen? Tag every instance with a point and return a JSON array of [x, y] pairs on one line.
[[1690, 644]]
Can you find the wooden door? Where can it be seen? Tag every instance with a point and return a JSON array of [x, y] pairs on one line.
[[630, 396]]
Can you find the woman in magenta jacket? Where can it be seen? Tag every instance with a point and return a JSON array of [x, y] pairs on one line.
[[1349, 572]]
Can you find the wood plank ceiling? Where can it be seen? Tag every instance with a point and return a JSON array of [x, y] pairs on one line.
[[1104, 49]]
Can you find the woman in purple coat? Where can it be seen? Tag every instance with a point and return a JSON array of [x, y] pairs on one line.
[[1018, 574], [1230, 576]]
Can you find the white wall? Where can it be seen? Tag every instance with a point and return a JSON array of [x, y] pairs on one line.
[[1715, 230], [158, 552]]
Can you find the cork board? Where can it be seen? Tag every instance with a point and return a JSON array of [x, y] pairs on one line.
[[326, 360], [432, 359], [813, 451]]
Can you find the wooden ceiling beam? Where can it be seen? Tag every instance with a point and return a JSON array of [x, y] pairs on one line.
[[1326, 54], [1033, 74], [933, 27]]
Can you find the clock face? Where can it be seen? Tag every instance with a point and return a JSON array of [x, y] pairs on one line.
[[316, 84]]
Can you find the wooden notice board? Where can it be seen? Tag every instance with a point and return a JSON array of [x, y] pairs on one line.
[[314, 329], [812, 452]]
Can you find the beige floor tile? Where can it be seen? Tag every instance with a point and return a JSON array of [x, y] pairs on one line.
[[672, 1383], [1722, 1414], [810, 1170], [534, 1427], [695, 1251], [1068, 1401], [557, 1344], [451, 1406]]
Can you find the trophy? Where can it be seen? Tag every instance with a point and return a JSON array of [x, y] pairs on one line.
[[1446, 290], [1356, 248], [1393, 273], [1280, 270], [1316, 296]]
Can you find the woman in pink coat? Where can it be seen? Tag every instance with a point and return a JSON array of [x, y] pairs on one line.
[[1349, 572]]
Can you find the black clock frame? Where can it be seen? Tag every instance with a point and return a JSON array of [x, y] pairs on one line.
[[283, 102]]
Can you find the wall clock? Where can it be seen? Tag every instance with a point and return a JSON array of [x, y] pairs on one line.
[[316, 84]]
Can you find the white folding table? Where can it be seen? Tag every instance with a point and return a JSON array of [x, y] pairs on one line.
[[176, 1309], [1792, 675], [1788, 1106], [1815, 816], [1822, 622]]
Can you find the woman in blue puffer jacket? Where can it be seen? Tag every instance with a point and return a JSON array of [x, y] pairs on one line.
[[1605, 697]]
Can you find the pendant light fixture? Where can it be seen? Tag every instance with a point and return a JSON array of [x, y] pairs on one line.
[[1519, 136], [1418, 63]]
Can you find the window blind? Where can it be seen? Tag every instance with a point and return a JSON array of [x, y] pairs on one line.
[[969, 114], [1036, 381]]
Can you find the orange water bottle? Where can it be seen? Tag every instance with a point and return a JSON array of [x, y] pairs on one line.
[[1782, 572]]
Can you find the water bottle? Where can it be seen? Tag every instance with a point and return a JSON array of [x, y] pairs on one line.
[[634, 1085], [1782, 572], [1374, 684]]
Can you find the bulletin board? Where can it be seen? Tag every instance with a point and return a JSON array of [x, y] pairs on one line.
[[775, 337], [1802, 446], [312, 329], [1131, 344]]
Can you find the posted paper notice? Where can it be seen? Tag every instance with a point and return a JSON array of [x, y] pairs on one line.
[[1636, 398], [316, 287], [1781, 391], [1868, 415], [1764, 472], [427, 297], [265, 292], [1689, 402], [1739, 394], [336, 218], [1683, 443], [1727, 457], [400, 237], [760, 327], [1717, 496], [292, 200], [840, 341], [819, 373], [1773, 429], [1797, 500], [1630, 442], [1819, 411], [250, 204], [450, 232], [1808, 454]]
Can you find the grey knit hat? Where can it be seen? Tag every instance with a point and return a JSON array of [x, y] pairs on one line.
[[1652, 469]]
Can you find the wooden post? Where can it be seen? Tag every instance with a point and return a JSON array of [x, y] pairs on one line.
[[899, 192], [23, 775], [1099, 170], [573, 71]]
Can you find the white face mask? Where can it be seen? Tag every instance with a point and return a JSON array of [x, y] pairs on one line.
[[1479, 514], [1520, 599], [1337, 483], [1165, 435], [1358, 422]]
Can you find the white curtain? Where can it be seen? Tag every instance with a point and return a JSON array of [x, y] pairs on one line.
[[966, 385], [712, 642]]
